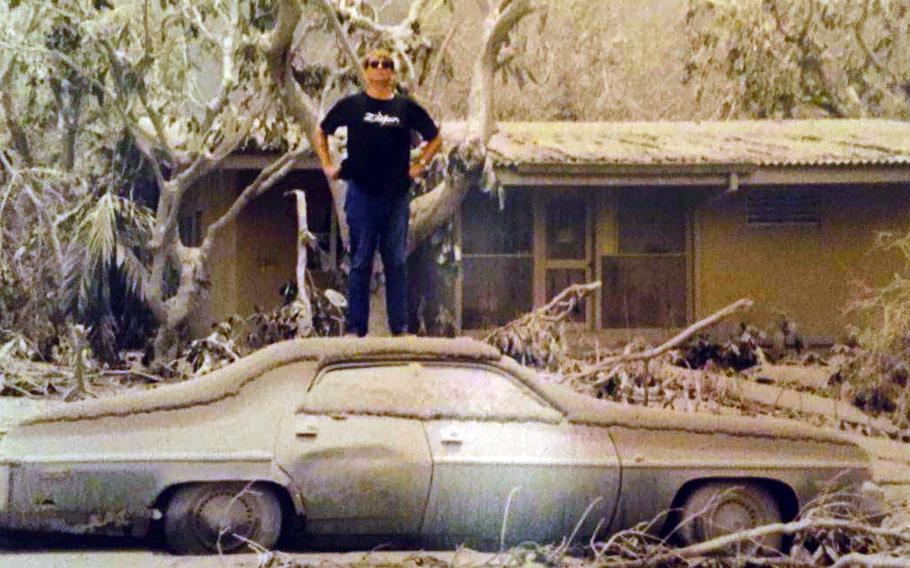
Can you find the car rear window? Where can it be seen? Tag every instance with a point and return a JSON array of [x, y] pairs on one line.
[[426, 391]]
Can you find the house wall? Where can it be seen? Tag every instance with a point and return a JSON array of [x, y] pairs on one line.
[[806, 272], [803, 271], [254, 257], [212, 196]]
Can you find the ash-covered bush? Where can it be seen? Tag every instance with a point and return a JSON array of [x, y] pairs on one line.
[[236, 337], [739, 351], [875, 362]]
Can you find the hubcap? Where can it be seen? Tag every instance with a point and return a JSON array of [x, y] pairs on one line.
[[220, 516], [731, 516]]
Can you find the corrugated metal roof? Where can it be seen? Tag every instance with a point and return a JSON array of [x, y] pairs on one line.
[[832, 142]]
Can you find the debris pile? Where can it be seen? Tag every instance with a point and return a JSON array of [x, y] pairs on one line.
[[690, 372], [828, 532], [237, 337]]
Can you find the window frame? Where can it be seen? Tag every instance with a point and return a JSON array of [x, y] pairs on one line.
[[799, 202], [522, 213], [469, 364]]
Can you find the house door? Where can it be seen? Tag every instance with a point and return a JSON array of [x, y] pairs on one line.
[[565, 248], [645, 276]]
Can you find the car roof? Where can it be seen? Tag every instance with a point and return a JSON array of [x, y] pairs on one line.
[[230, 379], [375, 347]]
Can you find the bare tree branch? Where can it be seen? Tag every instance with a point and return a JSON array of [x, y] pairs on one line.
[[228, 71], [20, 138], [679, 338], [871, 561], [41, 209], [433, 208], [481, 113], [702, 549], [554, 311], [329, 8], [268, 177]]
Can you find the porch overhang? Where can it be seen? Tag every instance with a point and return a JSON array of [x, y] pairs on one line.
[[706, 175], [260, 160]]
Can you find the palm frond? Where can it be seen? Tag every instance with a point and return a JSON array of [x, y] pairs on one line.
[[98, 231], [134, 272], [133, 215]]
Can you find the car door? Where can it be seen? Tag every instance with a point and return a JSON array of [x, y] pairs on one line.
[[362, 465], [507, 466]]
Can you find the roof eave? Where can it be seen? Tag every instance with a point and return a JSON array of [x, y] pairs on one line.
[[716, 174]]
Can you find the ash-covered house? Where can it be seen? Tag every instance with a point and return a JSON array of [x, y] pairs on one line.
[[677, 219]]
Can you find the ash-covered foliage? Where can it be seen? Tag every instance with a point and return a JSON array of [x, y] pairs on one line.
[[749, 346], [738, 352], [236, 337], [874, 363], [538, 339], [25, 373]]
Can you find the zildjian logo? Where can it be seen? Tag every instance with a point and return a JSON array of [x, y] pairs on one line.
[[381, 119]]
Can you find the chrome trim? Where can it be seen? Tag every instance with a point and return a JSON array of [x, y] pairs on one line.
[[119, 458], [456, 458], [5, 472]]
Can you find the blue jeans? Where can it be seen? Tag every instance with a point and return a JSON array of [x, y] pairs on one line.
[[373, 219]]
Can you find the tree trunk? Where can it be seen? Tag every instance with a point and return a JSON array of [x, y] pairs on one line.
[[428, 212], [304, 240], [178, 308]]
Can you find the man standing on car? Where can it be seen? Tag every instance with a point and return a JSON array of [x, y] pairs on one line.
[[378, 171]]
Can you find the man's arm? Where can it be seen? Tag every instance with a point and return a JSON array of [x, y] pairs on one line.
[[321, 146], [426, 156]]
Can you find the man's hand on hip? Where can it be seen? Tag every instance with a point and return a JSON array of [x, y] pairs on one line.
[[416, 170]]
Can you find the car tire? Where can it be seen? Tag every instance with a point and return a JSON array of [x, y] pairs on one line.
[[717, 508], [204, 518]]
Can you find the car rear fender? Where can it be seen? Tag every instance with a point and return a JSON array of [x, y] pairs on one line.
[[285, 494], [783, 494], [658, 464], [274, 477], [114, 498]]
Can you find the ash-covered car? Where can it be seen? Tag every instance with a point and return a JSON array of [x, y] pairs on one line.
[[444, 441]]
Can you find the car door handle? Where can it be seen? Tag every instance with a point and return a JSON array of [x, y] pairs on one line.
[[307, 431], [451, 439]]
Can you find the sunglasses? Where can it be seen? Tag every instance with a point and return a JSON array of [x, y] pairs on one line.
[[383, 63]]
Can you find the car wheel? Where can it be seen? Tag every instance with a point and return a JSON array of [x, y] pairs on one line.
[[210, 518], [723, 507]]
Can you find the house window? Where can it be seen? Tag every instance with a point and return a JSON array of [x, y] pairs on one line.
[[190, 229], [644, 282], [567, 236], [498, 264], [781, 207], [566, 228]]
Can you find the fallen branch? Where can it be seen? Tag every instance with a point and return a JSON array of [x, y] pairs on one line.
[[678, 339], [537, 338], [871, 561], [131, 373], [899, 534], [556, 310]]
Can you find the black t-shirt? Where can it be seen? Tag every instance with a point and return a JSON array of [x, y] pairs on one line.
[[379, 139]]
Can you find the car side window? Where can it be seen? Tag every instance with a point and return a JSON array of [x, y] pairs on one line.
[[427, 390]]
